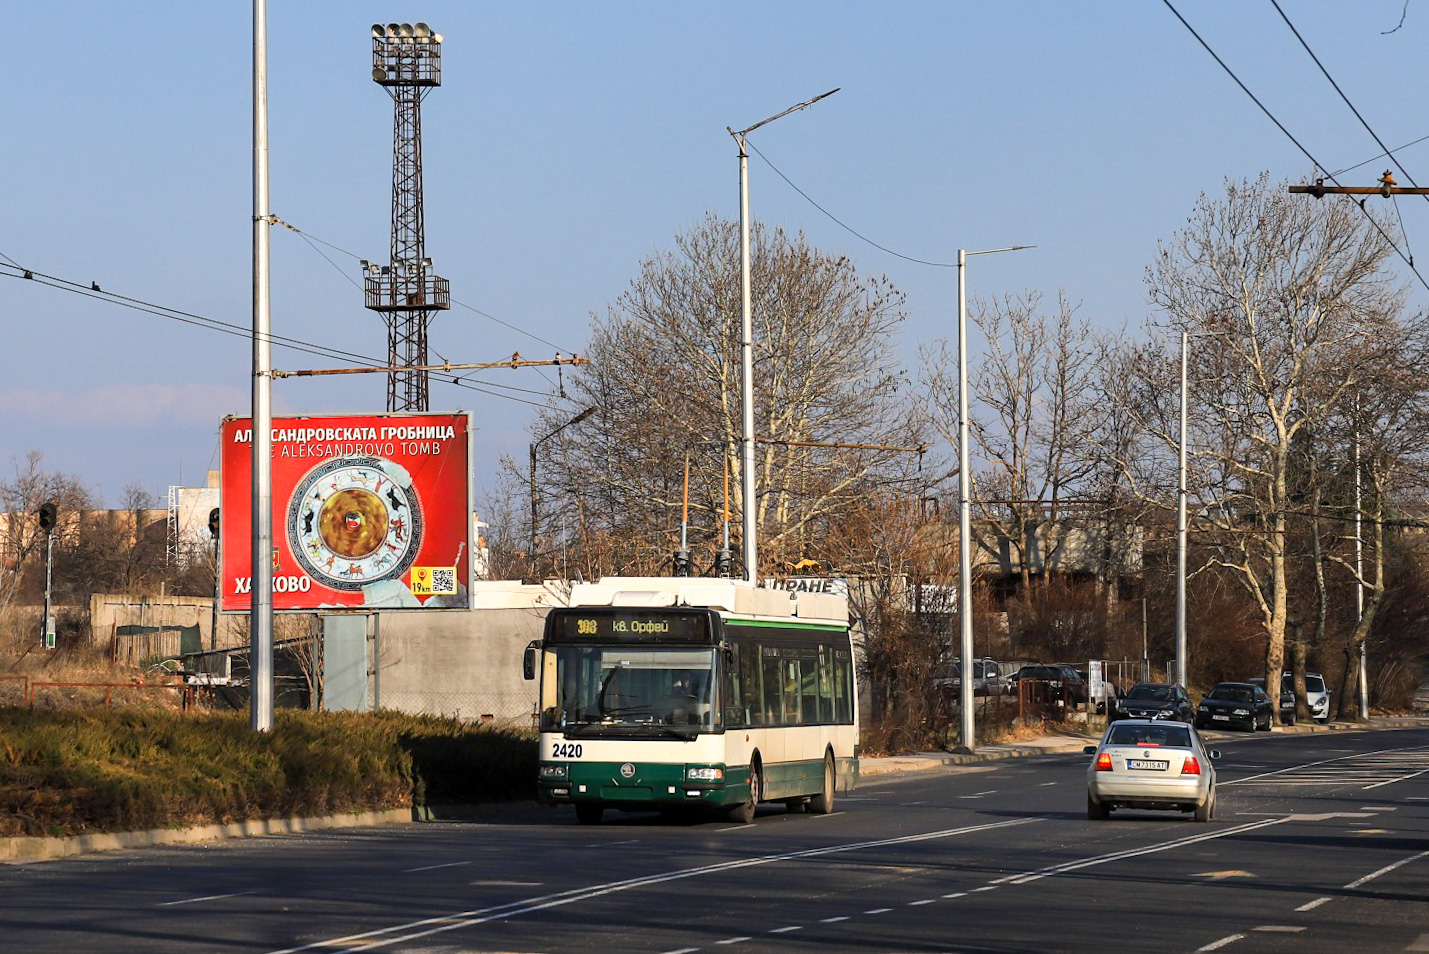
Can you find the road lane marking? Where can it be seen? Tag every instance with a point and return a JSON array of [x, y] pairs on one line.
[[207, 897], [1385, 870], [918, 904], [956, 894], [734, 940], [1393, 780], [833, 920], [450, 864], [1279, 928], [1312, 905], [786, 930], [382, 937], [1421, 943], [682, 950], [1054, 870], [1217, 945], [878, 911]]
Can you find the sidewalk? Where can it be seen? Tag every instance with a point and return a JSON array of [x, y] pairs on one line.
[[1071, 742]]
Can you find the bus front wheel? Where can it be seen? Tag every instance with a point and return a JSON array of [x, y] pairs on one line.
[[823, 803], [744, 814], [589, 814]]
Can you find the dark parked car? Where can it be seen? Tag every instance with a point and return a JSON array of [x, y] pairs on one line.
[[1236, 704], [1287, 699], [1156, 700]]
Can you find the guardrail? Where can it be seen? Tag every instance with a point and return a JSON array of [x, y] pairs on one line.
[[186, 692]]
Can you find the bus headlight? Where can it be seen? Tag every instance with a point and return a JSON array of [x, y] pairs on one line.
[[554, 770], [704, 773]]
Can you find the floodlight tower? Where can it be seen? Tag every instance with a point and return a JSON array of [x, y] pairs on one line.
[[407, 61]]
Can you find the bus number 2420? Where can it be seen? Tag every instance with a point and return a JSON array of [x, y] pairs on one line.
[[567, 750]]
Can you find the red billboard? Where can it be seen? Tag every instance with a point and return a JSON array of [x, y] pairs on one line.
[[369, 511]]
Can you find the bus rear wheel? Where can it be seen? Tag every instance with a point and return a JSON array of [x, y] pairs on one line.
[[823, 803], [589, 814], [744, 814]]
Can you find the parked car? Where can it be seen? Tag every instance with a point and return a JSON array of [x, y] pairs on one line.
[[1151, 764], [987, 677], [1317, 695], [1236, 704], [1062, 681], [1156, 700], [1287, 698]]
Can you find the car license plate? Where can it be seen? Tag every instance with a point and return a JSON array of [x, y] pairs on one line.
[[1223, 718], [1146, 765]]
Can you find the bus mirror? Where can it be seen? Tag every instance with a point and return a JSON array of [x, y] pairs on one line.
[[528, 661]]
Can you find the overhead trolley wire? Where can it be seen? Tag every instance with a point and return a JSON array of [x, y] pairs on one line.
[[1271, 116]]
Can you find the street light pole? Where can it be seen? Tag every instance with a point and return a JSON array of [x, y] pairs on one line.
[[1181, 525], [746, 343], [965, 573], [535, 444]]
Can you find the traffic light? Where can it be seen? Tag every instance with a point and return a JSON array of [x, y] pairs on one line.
[[49, 515], [213, 521]]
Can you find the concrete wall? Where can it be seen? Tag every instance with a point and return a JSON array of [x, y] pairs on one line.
[[465, 664]]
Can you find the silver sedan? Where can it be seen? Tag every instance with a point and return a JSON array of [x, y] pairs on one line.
[[1151, 764]]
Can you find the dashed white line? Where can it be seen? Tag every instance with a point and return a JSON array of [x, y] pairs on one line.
[[682, 950], [878, 911], [1280, 928], [786, 930], [956, 894], [734, 940], [1217, 945], [916, 904], [986, 887], [1385, 870], [1312, 905], [833, 920], [450, 864], [207, 897]]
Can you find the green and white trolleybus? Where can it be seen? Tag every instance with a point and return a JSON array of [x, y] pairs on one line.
[[662, 693]]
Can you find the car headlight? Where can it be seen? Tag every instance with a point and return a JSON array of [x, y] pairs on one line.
[[1203, 707], [554, 770], [704, 773]]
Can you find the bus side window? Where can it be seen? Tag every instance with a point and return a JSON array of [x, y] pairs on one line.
[[793, 715], [751, 700], [773, 692], [843, 699], [809, 688], [826, 685]]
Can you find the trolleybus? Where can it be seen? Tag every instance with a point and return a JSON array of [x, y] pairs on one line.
[[665, 693]]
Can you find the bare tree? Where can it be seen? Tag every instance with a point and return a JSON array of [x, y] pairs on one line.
[[664, 378], [20, 498], [1295, 311], [1034, 415]]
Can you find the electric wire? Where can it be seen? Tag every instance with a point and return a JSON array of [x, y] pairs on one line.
[[1358, 115], [840, 223], [1414, 142], [223, 327], [1315, 162], [310, 239]]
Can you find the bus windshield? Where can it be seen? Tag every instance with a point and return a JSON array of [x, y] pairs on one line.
[[620, 689]]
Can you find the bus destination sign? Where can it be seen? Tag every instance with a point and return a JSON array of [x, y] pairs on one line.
[[594, 625]]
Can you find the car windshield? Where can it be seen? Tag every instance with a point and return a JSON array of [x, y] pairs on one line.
[[1149, 693], [1314, 683], [1231, 693], [1174, 736]]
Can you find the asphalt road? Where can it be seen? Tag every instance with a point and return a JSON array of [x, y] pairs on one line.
[[1321, 844]]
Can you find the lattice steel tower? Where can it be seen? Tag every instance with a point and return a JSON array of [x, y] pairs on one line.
[[407, 62]]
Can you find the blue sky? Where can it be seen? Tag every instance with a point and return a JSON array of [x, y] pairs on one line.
[[570, 141]]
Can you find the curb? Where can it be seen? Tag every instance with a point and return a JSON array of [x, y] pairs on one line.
[[23, 850]]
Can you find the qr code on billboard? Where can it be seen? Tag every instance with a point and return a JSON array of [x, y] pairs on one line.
[[430, 580]]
